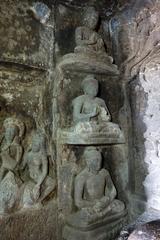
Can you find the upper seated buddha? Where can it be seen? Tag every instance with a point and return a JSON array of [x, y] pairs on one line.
[[86, 37]]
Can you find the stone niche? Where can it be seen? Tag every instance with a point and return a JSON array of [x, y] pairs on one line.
[[76, 117]]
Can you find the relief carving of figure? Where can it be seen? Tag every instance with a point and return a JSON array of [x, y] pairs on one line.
[[11, 153], [91, 118], [88, 41], [89, 53], [40, 184], [95, 199], [89, 107], [90, 113], [11, 150], [94, 191]]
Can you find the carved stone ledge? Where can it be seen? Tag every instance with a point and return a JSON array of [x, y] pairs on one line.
[[72, 138], [89, 64], [107, 229]]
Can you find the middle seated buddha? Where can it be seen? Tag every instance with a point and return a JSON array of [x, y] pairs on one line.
[[91, 118]]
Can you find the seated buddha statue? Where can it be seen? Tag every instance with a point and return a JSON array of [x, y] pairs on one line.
[[94, 192], [88, 41], [90, 113], [90, 52], [40, 184]]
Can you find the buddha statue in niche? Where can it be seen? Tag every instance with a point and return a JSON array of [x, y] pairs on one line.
[[89, 55], [94, 191], [90, 113], [91, 119], [99, 215], [40, 184], [88, 41], [11, 150]]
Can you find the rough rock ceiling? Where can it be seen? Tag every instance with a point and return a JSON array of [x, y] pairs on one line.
[[106, 7]]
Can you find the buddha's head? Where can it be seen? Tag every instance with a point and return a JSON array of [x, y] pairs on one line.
[[91, 18], [90, 86], [93, 159]]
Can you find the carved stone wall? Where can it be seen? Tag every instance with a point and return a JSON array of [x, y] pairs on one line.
[[135, 30], [40, 75]]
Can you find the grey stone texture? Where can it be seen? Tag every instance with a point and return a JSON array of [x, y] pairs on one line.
[[47, 49]]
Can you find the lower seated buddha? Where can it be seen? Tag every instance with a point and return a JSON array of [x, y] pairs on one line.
[[94, 194]]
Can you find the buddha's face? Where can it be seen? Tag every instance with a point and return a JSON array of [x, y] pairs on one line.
[[10, 133], [94, 162], [91, 19], [91, 89]]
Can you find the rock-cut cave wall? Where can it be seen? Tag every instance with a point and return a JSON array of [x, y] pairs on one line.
[[37, 88], [135, 30]]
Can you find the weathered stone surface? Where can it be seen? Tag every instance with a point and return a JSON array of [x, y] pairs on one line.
[[37, 84], [33, 224], [146, 232], [23, 36], [135, 40]]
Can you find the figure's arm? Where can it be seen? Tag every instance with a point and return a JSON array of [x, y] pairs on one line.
[[44, 171], [78, 116], [24, 162], [78, 193], [19, 154], [109, 193], [110, 188]]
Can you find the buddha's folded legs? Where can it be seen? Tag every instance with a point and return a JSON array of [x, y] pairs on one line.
[[90, 216]]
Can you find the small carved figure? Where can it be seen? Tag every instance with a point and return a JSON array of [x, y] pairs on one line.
[[40, 184], [88, 107], [11, 150], [86, 37], [94, 190]]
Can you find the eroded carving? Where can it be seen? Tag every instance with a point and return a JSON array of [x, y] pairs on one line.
[[94, 196], [40, 184], [11, 149], [10, 154], [88, 41], [89, 54], [91, 119]]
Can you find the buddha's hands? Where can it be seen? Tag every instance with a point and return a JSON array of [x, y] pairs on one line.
[[98, 207], [95, 112], [86, 214], [92, 39]]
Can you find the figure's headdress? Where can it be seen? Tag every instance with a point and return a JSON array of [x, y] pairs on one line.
[[8, 122]]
